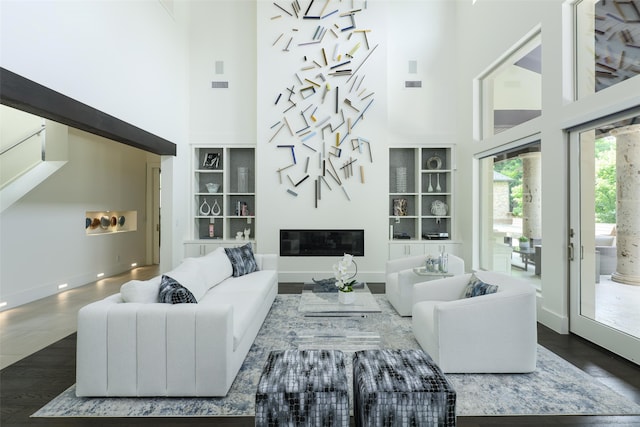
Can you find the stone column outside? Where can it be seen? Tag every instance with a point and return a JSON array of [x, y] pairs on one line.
[[627, 204], [531, 195]]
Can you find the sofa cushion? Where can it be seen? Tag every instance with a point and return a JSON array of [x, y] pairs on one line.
[[215, 267], [172, 292], [477, 287], [190, 275], [246, 294], [242, 260], [141, 291]]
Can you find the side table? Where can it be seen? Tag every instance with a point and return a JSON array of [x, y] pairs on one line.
[[431, 275]]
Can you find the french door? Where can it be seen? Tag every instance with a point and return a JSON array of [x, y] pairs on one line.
[[604, 293]]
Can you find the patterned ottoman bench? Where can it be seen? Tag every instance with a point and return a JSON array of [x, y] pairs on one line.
[[401, 388], [303, 387]]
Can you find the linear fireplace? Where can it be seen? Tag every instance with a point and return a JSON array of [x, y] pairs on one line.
[[321, 242]]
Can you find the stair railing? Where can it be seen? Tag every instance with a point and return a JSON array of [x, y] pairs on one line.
[[26, 138]]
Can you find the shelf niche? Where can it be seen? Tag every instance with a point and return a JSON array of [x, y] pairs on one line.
[[108, 222], [423, 177], [224, 178]]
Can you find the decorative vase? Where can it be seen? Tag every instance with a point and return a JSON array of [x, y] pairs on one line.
[[205, 209], [400, 207], [401, 179], [243, 180], [215, 209], [346, 297], [443, 259]]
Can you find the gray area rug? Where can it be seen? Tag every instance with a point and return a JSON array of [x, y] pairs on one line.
[[556, 388]]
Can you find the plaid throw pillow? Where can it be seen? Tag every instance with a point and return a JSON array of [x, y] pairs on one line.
[[477, 287], [242, 260], [172, 292]]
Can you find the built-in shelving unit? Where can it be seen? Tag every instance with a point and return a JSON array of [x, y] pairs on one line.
[[421, 185], [223, 198]]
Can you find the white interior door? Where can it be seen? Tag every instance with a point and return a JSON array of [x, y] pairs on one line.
[[156, 215], [153, 205]]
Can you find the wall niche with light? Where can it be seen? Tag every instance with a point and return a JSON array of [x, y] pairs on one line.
[[109, 222]]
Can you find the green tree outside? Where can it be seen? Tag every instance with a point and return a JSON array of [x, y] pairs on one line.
[[513, 169], [605, 185]]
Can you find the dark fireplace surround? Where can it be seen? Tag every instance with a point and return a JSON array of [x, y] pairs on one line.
[[321, 242]]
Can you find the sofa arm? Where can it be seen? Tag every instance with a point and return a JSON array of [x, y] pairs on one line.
[[407, 279], [396, 265], [130, 349], [446, 289], [267, 261]]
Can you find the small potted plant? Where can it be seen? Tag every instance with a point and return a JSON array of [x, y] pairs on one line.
[[523, 242], [345, 280]]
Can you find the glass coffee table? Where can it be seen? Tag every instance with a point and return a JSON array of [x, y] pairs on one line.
[[320, 299], [332, 325]]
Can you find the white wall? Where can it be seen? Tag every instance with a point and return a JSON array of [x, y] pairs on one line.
[[122, 57], [43, 241], [425, 32], [222, 30]]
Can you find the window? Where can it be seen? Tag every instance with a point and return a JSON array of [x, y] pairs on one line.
[[511, 211], [511, 91], [607, 44]]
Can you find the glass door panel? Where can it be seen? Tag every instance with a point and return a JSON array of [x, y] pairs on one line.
[[605, 235], [511, 207]]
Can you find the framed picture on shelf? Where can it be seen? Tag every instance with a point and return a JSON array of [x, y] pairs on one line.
[[211, 161]]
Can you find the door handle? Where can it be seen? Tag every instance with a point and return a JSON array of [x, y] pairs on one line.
[[571, 251]]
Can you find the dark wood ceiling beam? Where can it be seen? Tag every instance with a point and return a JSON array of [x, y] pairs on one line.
[[27, 95]]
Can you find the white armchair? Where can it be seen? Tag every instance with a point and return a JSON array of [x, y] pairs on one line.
[[400, 279], [606, 247], [494, 333]]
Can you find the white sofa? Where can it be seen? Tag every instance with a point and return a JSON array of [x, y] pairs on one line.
[[149, 348], [400, 278], [493, 333]]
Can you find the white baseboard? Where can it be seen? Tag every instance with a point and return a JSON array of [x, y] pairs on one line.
[[51, 288], [554, 321]]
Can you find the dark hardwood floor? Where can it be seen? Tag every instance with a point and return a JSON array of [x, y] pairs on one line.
[[29, 384]]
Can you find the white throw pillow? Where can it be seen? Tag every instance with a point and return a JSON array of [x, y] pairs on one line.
[[141, 291], [190, 275], [215, 267]]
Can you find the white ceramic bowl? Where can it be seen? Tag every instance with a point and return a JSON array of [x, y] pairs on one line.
[[212, 187]]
